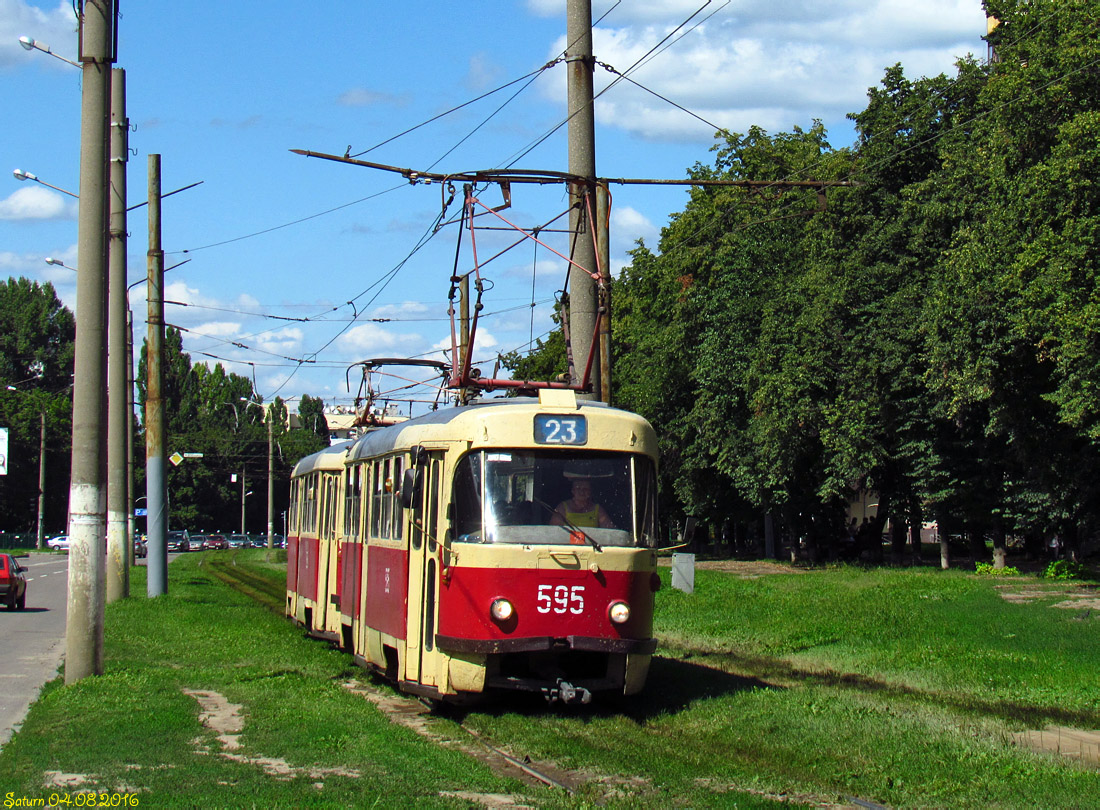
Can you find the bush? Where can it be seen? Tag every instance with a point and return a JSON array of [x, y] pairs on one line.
[[987, 570], [1065, 569]]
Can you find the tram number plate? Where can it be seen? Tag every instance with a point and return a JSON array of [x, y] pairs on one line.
[[553, 429], [560, 599]]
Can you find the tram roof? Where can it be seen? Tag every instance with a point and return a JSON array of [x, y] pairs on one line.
[[458, 423], [331, 458]]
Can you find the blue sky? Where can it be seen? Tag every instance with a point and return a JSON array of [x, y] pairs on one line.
[[222, 91]]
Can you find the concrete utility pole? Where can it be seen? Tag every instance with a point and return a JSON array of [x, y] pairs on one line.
[[41, 541], [87, 496], [582, 163], [156, 484], [118, 358], [270, 476]]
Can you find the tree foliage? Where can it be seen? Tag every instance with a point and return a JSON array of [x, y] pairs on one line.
[[37, 334], [930, 333], [218, 414]]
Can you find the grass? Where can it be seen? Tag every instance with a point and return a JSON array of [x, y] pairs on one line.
[[895, 686], [900, 687], [134, 730]]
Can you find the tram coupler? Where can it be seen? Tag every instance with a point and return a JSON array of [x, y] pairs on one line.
[[567, 693]]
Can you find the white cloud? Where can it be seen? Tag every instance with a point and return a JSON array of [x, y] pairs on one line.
[[364, 97], [406, 309], [629, 225], [776, 65], [55, 28], [483, 73], [218, 328], [371, 339], [282, 341], [35, 202]]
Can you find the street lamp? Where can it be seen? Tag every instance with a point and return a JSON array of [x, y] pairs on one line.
[[22, 175], [33, 44]]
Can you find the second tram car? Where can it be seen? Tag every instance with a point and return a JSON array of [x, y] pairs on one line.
[[509, 544]]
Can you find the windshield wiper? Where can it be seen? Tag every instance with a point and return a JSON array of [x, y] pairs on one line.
[[567, 525]]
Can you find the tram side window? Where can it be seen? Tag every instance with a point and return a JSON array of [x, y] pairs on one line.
[[353, 487], [332, 505], [387, 497], [467, 499], [292, 512], [376, 501], [398, 512], [309, 522]]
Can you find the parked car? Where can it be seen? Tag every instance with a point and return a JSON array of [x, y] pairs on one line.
[[198, 542], [216, 541], [140, 549], [61, 542], [179, 541], [13, 584], [239, 541]]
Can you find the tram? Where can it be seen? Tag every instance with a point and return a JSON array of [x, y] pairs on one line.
[[504, 545]]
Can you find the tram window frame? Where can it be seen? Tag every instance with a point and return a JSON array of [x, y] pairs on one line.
[[387, 499], [333, 505], [353, 496], [395, 489], [498, 505], [377, 487], [310, 504], [292, 507], [435, 484]]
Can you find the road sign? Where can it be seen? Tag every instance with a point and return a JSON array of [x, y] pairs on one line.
[[192, 455], [175, 458]]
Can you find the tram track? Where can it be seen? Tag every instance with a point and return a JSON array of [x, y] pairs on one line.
[[418, 716]]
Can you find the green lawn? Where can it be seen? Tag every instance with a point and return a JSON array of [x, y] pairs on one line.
[[895, 686]]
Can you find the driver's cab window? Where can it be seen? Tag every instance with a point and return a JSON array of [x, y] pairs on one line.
[[548, 497]]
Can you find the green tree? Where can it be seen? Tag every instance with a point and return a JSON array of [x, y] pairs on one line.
[[37, 335]]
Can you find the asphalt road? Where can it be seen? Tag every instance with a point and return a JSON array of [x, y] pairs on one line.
[[32, 640]]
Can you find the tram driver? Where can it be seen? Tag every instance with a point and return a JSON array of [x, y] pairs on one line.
[[580, 509]]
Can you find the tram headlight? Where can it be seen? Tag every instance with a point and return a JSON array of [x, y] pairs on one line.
[[619, 612], [502, 609]]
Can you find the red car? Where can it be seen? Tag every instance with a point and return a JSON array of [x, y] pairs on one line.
[[13, 585], [216, 541]]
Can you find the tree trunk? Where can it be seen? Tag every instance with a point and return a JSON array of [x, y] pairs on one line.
[[978, 551], [1070, 542], [897, 539], [916, 521], [1000, 549], [878, 523]]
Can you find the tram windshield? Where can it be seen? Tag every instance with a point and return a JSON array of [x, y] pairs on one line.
[[554, 497]]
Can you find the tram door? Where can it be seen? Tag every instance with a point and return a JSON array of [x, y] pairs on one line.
[[423, 573]]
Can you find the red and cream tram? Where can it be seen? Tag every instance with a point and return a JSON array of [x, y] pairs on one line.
[[504, 545]]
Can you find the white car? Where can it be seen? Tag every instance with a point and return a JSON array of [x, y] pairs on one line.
[[61, 542]]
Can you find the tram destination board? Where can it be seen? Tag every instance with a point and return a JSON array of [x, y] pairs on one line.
[[557, 429]]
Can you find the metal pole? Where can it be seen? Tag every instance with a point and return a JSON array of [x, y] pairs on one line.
[[582, 163], [41, 542], [464, 331], [118, 397], [270, 478], [243, 496], [129, 433], [156, 486], [87, 501], [603, 209]]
